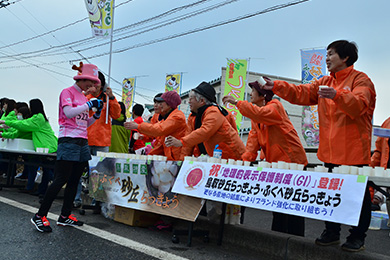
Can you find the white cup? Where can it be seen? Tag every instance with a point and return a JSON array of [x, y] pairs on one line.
[[261, 81], [292, 166], [387, 173], [379, 171], [239, 162], [336, 170], [274, 165], [263, 164], [187, 158], [282, 165], [360, 171], [247, 163], [354, 170], [39, 150], [320, 168], [223, 161], [231, 161], [344, 169], [367, 170], [138, 156]]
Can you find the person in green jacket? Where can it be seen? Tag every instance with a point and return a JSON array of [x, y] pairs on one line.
[[120, 137], [42, 136]]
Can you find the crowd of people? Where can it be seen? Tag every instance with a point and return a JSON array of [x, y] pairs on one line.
[[91, 120]]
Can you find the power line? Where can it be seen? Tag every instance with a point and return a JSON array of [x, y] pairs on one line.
[[86, 40], [267, 10]]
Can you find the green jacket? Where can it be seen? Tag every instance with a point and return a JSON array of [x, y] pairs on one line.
[[13, 133], [120, 136], [42, 134], [10, 117]]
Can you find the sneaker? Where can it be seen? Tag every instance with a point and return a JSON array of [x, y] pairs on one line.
[[41, 223], [353, 245], [328, 238], [69, 221]]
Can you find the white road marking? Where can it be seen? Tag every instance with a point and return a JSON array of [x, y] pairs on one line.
[[145, 249]]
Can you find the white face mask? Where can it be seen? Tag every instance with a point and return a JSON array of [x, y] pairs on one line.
[[20, 117]]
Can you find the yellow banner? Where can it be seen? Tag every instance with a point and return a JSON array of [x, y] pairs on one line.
[[128, 86], [235, 79], [173, 82], [100, 14]]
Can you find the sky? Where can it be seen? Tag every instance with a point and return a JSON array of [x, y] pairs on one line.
[[271, 41]]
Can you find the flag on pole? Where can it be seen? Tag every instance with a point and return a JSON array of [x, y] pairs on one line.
[[128, 86], [173, 82], [100, 14], [235, 82], [313, 68]]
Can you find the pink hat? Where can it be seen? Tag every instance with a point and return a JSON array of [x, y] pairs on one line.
[[171, 98], [86, 71]]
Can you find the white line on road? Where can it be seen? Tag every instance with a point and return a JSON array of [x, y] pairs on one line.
[[145, 249]]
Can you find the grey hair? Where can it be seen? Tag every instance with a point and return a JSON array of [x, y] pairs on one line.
[[198, 97]]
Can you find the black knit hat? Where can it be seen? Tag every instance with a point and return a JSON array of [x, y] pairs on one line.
[[206, 90]]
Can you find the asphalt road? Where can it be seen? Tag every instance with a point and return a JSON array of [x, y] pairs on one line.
[[99, 238]]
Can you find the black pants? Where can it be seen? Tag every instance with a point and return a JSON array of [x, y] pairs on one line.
[[68, 172], [289, 224], [358, 232]]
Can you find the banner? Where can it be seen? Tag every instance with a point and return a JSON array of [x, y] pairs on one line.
[[235, 83], [142, 185], [100, 16], [318, 195], [128, 86], [313, 68], [173, 82]]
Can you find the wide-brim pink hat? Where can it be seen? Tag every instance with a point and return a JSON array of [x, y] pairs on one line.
[[87, 71]]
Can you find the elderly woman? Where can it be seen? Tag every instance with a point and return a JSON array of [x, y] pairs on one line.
[[273, 132], [172, 123]]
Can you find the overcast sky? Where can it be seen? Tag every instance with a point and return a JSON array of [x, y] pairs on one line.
[[271, 40]]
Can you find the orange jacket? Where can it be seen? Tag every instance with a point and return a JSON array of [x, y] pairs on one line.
[[153, 120], [99, 133], [345, 120], [273, 131], [215, 129], [174, 125], [380, 157], [232, 121]]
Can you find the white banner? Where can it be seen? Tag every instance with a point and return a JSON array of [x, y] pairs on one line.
[[142, 185], [324, 196]]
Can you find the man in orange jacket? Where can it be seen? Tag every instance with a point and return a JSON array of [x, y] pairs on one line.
[[207, 127], [99, 134], [172, 123], [345, 109]]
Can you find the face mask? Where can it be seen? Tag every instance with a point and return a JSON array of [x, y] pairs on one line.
[[3, 109], [20, 117]]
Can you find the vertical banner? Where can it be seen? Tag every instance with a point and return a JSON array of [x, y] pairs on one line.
[[313, 68], [235, 80], [100, 16], [128, 86], [173, 82]]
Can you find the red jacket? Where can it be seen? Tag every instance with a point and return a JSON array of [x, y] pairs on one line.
[[273, 131], [345, 121], [99, 133], [215, 129], [380, 157], [174, 125]]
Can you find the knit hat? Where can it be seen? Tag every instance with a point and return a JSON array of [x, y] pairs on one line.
[[171, 98], [268, 94], [86, 71], [206, 90]]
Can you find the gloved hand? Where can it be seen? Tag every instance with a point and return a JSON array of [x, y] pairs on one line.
[[97, 114], [95, 104]]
